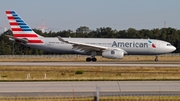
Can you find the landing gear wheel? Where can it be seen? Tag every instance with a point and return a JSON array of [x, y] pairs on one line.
[[88, 59], [94, 59], [91, 59], [156, 59]]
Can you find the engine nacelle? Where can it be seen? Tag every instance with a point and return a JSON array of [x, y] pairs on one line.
[[113, 54]]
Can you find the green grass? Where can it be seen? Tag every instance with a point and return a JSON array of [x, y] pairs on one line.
[[55, 73], [79, 72]]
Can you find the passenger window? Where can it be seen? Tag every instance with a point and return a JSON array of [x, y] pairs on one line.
[[112, 52]]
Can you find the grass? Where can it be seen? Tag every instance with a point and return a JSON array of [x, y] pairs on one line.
[[79, 72], [55, 73], [103, 98], [83, 58]]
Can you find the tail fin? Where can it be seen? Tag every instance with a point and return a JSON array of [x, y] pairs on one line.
[[21, 30]]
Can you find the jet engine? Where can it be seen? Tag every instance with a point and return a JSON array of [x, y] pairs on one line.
[[113, 54]]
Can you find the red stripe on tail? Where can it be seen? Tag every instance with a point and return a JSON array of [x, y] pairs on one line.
[[13, 23], [8, 12], [25, 35], [10, 18], [16, 29]]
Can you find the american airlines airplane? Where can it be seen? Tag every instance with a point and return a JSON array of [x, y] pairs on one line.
[[112, 48]]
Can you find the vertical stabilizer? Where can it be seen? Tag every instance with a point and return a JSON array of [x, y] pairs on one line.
[[21, 30]]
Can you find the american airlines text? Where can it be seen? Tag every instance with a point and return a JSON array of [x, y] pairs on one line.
[[130, 44]]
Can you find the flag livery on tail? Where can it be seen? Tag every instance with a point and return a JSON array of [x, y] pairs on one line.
[[21, 30]]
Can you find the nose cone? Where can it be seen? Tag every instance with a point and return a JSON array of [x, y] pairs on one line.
[[173, 48], [169, 49]]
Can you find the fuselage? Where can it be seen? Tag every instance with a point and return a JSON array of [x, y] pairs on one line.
[[131, 46]]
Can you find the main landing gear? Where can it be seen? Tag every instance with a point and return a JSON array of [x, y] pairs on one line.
[[93, 59], [156, 58]]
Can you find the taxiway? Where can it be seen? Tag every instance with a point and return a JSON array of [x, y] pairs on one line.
[[88, 88]]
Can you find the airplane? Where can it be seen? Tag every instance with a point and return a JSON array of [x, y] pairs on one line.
[[112, 48]]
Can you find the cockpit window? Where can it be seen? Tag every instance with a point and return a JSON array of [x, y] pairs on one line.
[[168, 44]]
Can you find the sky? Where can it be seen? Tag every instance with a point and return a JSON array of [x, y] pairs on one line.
[[61, 15]]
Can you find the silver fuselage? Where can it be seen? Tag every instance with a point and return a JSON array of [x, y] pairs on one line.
[[131, 46]]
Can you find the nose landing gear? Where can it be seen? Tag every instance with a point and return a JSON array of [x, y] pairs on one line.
[[156, 58]]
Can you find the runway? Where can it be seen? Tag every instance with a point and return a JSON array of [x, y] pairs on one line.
[[87, 88], [150, 64]]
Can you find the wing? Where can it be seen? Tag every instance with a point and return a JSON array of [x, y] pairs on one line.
[[83, 46], [86, 47]]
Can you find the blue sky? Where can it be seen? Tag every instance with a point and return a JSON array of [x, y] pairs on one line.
[[61, 15]]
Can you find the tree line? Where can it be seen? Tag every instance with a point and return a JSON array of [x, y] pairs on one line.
[[171, 35]]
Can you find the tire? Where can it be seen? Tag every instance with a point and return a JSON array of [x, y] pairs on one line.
[[156, 60], [94, 59], [88, 59]]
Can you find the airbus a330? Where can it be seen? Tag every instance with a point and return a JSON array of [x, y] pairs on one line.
[[112, 48]]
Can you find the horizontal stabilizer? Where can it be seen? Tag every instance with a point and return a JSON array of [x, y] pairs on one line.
[[23, 40]]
